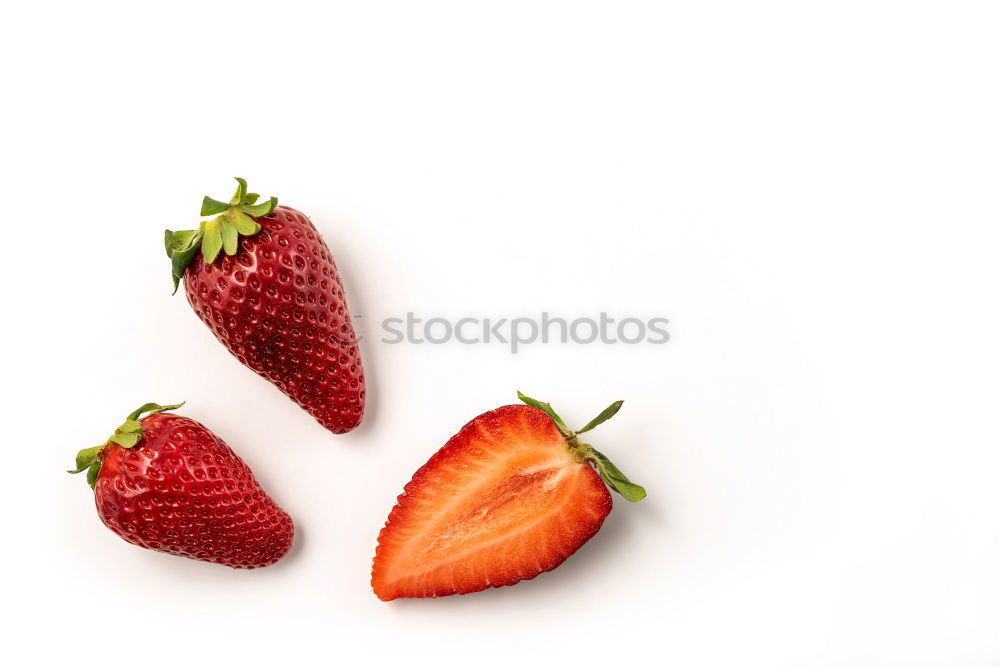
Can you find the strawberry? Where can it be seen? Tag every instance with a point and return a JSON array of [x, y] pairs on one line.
[[511, 495], [166, 483], [268, 288]]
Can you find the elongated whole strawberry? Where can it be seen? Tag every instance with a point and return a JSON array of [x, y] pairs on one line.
[[268, 288], [166, 483], [511, 495]]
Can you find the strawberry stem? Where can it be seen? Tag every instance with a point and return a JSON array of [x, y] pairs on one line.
[[584, 453]]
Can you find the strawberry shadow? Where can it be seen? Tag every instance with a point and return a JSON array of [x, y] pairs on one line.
[[295, 552]]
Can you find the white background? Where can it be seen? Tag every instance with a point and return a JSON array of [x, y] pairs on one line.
[[808, 191]]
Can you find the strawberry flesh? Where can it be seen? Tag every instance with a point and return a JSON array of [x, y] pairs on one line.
[[504, 500]]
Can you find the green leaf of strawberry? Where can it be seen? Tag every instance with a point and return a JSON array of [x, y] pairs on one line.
[[211, 242], [127, 435], [608, 471], [219, 234], [241, 192], [547, 409], [616, 479], [130, 426], [608, 413], [151, 408], [260, 210], [229, 236], [181, 249], [86, 458], [211, 206], [244, 224], [92, 474]]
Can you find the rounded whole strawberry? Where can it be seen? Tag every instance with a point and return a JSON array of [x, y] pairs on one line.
[[511, 495], [166, 483], [268, 288]]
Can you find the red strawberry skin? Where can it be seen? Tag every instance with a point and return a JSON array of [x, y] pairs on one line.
[[183, 491], [503, 501], [278, 306]]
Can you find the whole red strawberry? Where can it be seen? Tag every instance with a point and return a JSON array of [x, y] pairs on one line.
[[511, 495], [167, 483], [268, 288]]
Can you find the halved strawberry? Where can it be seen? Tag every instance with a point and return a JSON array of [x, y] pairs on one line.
[[511, 495]]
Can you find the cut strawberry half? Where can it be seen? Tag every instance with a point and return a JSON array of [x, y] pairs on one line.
[[511, 495]]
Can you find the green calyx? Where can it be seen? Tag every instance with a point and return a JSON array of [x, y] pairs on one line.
[[222, 232], [583, 452], [127, 435]]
